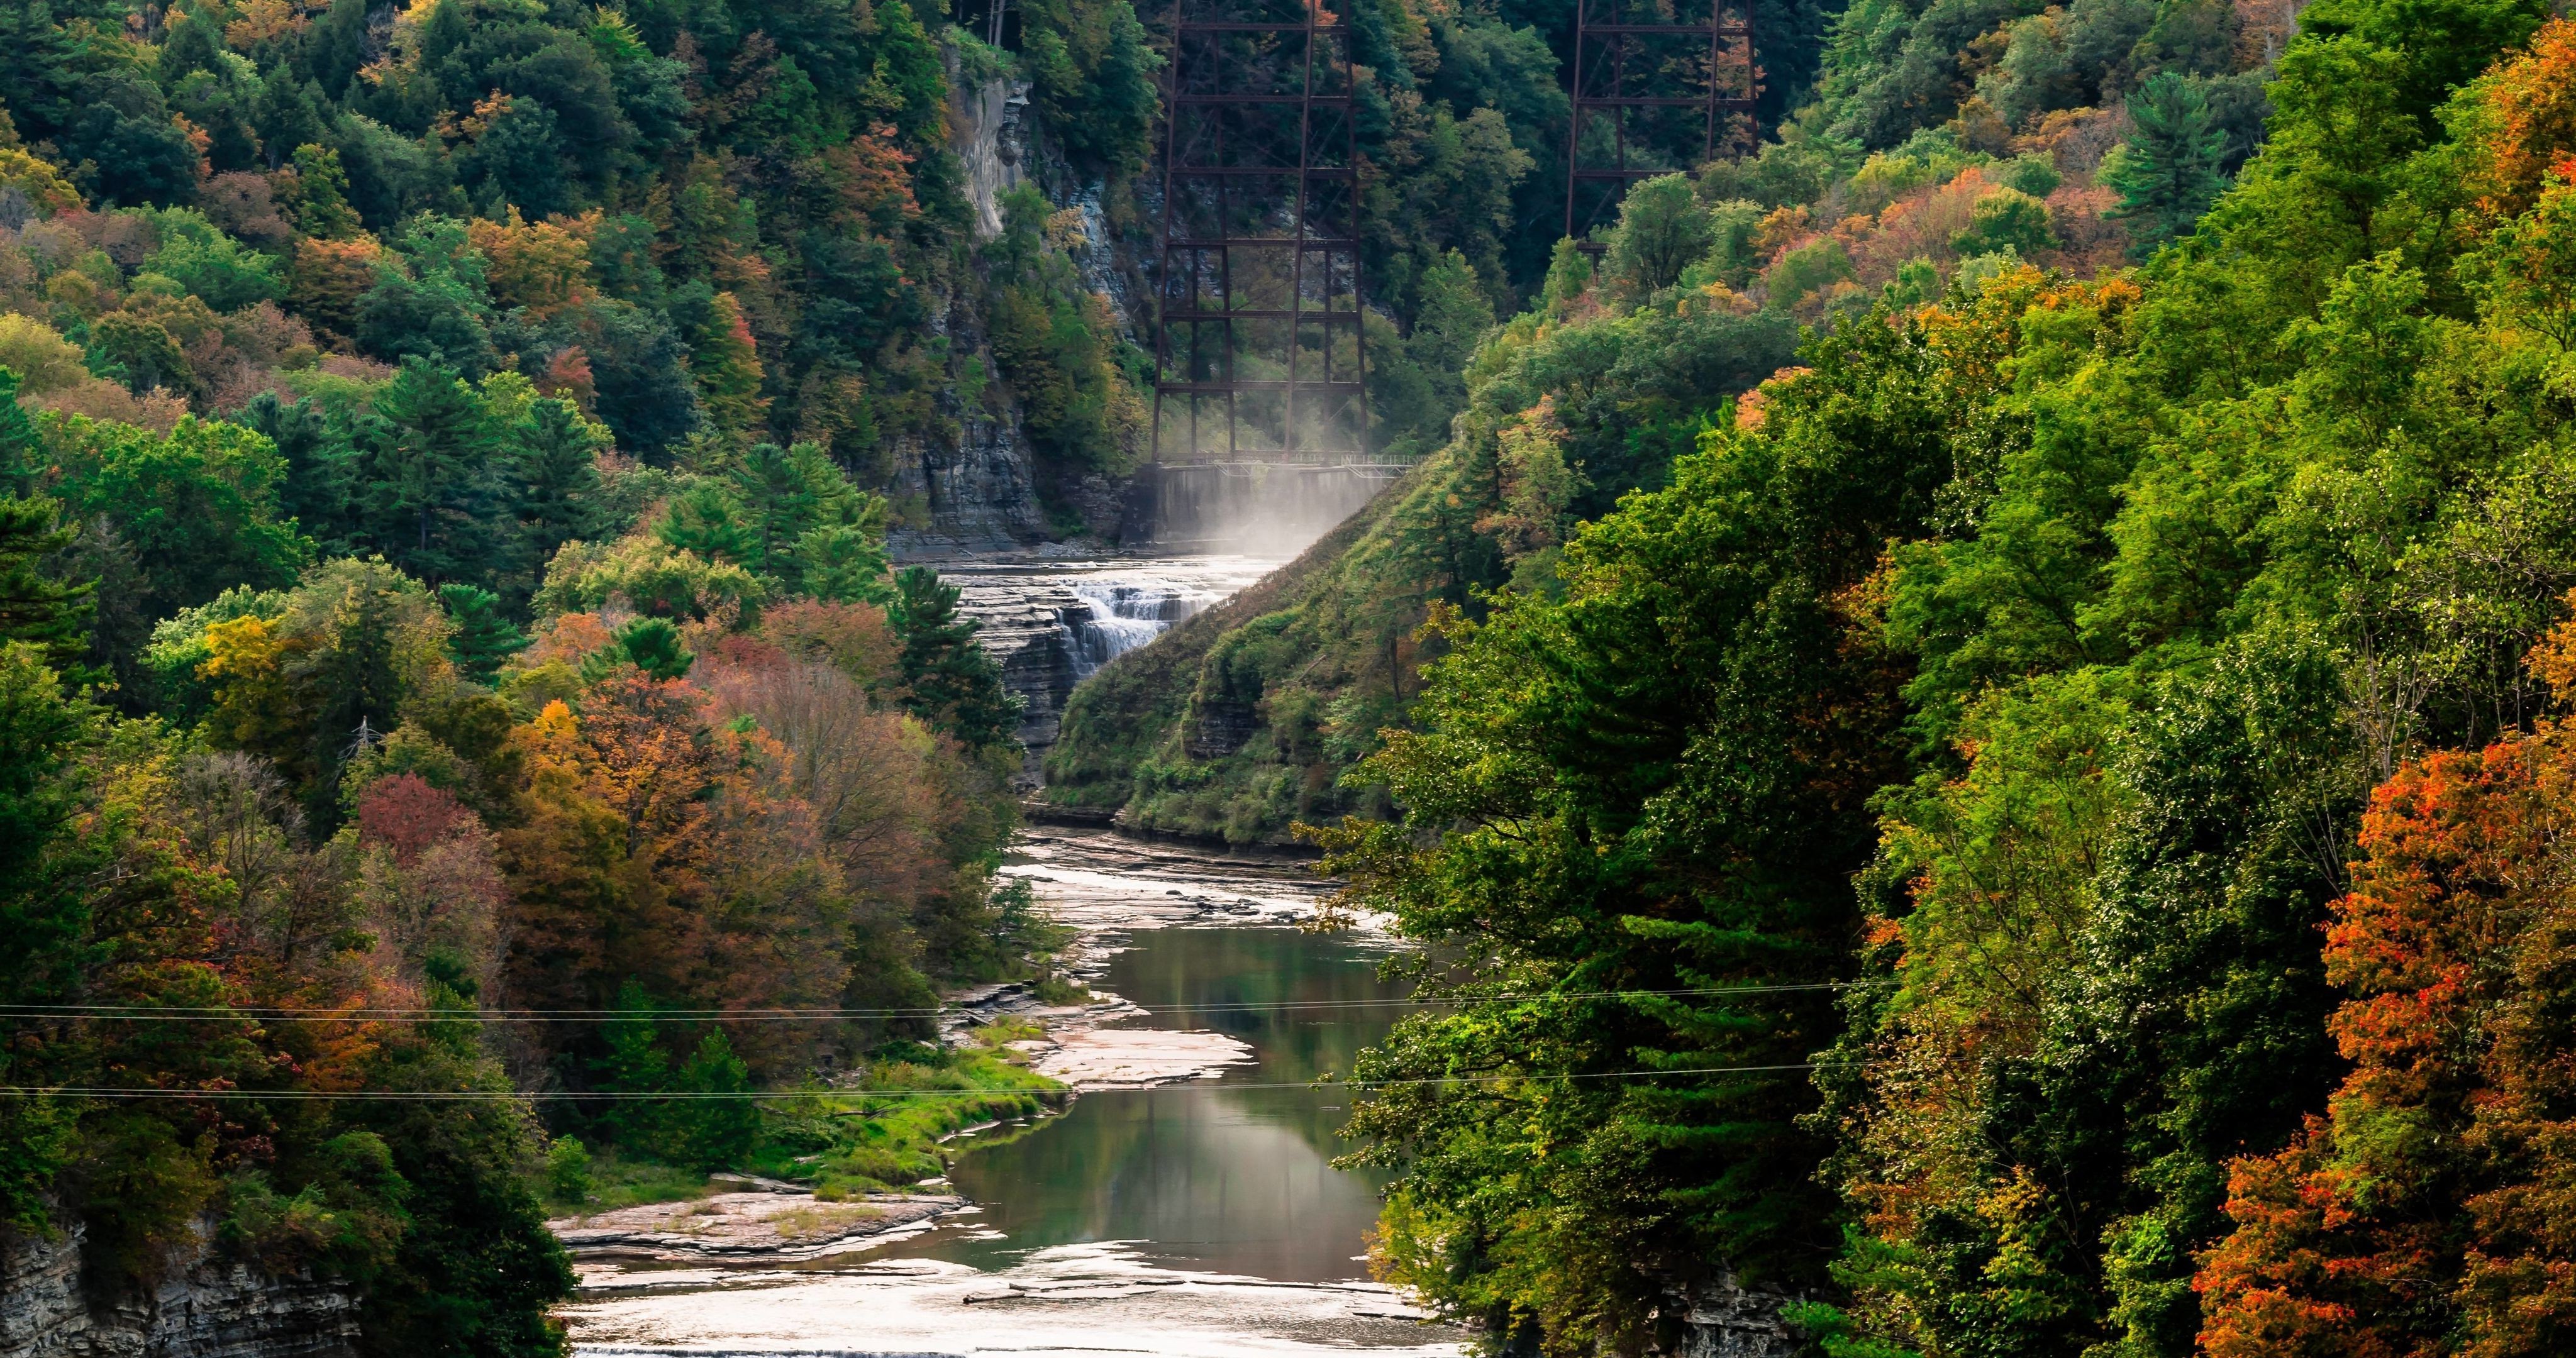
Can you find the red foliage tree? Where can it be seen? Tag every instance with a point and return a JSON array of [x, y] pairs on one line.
[[2432, 1210], [405, 814]]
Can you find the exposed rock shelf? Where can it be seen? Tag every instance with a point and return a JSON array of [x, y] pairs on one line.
[[204, 1306], [770, 1221]]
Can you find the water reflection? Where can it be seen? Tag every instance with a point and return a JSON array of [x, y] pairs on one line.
[[1212, 1176], [1176, 1223]]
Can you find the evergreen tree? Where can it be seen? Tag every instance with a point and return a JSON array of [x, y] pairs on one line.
[[2167, 173], [556, 480], [321, 489], [1449, 321], [707, 519], [844, 564], [653, 645], [428, 481], [714, 1133], [949, 680], [18, 450], [784, 494], [47, 613], [483, 640], [39, 725], [634, 1063]]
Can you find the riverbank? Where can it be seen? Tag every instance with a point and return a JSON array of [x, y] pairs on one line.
[[1094, 883], [1103, 888], [1191, 1211]]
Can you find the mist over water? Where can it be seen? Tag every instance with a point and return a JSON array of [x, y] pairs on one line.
[[1255, 509]]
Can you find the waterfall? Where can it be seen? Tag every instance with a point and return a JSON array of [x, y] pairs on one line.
[[1112, 620]]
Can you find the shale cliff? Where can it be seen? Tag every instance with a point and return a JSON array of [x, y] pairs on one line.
[[205, 1305]]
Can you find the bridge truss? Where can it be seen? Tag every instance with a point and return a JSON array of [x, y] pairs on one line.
[[1658, 86], [1260, 351]]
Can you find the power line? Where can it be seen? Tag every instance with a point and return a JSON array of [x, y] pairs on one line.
[[259, 1013], [629, 1096]]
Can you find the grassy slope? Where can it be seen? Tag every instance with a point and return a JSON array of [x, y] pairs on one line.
[[1304, 654], [883, 1135]]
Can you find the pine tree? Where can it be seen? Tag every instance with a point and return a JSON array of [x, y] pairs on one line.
[[556, 481], [714, 1133], [18, 451], [654, 646], [950, 681], [844, 564], [2167, 172], [708, 520], [51, 614], [484, 640], [428, 473]]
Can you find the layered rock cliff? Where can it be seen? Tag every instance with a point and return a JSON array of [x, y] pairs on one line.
[[205, 1305]]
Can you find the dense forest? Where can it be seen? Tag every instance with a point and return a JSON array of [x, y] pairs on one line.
[[444, 571], [2036, 828], [1970, 703], [2072, 760]]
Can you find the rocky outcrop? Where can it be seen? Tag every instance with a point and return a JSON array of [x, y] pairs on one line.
[[206, 1306], [978, 496], [1722, 1318], [1220, 727], [988, 125], [772, 1221]]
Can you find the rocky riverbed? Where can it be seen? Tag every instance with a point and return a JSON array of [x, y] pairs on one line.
[[1182, 1205]]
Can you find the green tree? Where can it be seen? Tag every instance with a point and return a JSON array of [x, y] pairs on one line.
[[707, 518], [1662, 230], [428, 485], [949, 680], [2006, 219], [716, 1132], [18, 444], [200, 505], [143, 352], [47, 614], [483, 639], [2167, 172], [653, 645], [556, 481]]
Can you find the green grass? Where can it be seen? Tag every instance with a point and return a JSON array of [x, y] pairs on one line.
[[618, 1180], [882, 1135], [887, 1135]]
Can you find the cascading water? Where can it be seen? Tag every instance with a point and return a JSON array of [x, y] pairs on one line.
[[1118, 619]]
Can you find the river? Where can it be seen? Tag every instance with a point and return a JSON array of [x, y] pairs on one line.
[[1202, 1219]]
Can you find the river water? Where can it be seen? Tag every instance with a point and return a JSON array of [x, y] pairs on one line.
[[1199, 1220]]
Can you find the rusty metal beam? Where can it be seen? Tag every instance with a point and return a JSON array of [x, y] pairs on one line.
[[1259, 348], [1647, 55]]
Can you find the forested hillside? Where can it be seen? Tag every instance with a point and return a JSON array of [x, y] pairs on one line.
[[1971, 706], [2036, 830], [1916, 151], [448, 456]]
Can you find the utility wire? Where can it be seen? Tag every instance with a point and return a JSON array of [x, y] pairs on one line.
[[258, 1013], [631, 1096]]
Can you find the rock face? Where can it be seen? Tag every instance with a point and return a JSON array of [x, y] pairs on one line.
[[206, 1307], [987, 123], [1724, 1319], [980, 496]]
